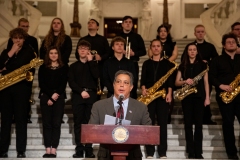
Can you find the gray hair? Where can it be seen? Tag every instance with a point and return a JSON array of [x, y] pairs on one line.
[[126, 73]]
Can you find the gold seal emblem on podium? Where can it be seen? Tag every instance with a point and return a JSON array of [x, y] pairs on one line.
[[120, 134]]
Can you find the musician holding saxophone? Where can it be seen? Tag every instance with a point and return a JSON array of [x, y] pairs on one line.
[[223, 75], [193, 73], [15, 98], [152, 71]]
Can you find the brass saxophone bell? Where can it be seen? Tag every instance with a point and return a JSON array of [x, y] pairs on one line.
[[29, 76], [100, 92]]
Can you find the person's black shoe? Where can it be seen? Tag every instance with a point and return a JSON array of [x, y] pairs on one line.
[[52, 155], [46, 155], [21, 155], [3, 155], [199, 156], [29, 121], [232, 157], [89, 155], [78, 154], [191, 156]]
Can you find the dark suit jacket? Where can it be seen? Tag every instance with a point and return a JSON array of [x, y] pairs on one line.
[[137, 113]]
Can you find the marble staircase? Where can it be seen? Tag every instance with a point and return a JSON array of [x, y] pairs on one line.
[[213, 145]]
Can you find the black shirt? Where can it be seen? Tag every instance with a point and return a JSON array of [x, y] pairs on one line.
[[24, 56], [223, 70], [152, 71], [137, 44], [65, 49], [83, 75], [30, 40], [98, 43], [206, 50], [52, 80], [191, 71], [111, 66], [168, 47]]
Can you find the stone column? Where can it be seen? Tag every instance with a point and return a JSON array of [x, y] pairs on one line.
[[75, 26], [165, 14], [146, 20]]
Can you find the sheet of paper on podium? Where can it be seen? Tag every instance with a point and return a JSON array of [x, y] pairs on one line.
[[110, 120]]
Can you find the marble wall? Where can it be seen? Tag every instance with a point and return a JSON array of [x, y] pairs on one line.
[[152, 10]]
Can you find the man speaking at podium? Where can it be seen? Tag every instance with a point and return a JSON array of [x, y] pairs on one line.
[[123, 107]]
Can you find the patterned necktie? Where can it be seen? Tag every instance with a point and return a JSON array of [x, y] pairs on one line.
[[120, 113]]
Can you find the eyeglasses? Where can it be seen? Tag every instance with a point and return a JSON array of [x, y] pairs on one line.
[[236, 29], [125, 83], [83, 48], [24, 26], [230, 42]]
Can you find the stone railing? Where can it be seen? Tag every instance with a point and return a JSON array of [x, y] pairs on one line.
[[10, 12], [218, 20]]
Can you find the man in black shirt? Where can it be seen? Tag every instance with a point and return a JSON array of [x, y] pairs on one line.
[[137, 47], [99, 44], [116, 63], [83, 76], [33, 43], [223, 70], [207, 52], [14, 99], [236, 30]]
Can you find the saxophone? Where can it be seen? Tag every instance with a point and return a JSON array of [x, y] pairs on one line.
[[227, 97], [181, 93], [152, 94], [20, 74]]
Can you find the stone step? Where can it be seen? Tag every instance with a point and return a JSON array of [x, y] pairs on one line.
[[174, 152], [172, 129], [176, 119], [173, 140]]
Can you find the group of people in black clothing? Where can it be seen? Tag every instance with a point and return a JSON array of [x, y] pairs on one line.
[[84, 74]]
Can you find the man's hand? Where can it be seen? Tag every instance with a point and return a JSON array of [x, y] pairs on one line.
[[89, 56], [132, 53], [97, 57], [225, 87], [85, 95], [15, 48]]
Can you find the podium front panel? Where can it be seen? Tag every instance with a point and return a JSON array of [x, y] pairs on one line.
[[135, 134]]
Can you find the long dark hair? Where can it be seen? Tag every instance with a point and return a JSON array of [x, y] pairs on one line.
[[50, 36], [48, 61], [186, 60], [169, 37]]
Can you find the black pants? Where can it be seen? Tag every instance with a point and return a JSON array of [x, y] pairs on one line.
[[81, 115], [228, 112], [14, 103], [159, 108], [51, 120], [135, 84], [193, 112]]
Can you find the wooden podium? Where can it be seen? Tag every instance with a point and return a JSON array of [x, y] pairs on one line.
[[120, 139]]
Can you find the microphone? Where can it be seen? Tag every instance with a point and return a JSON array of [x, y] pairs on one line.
[[121, 97]]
